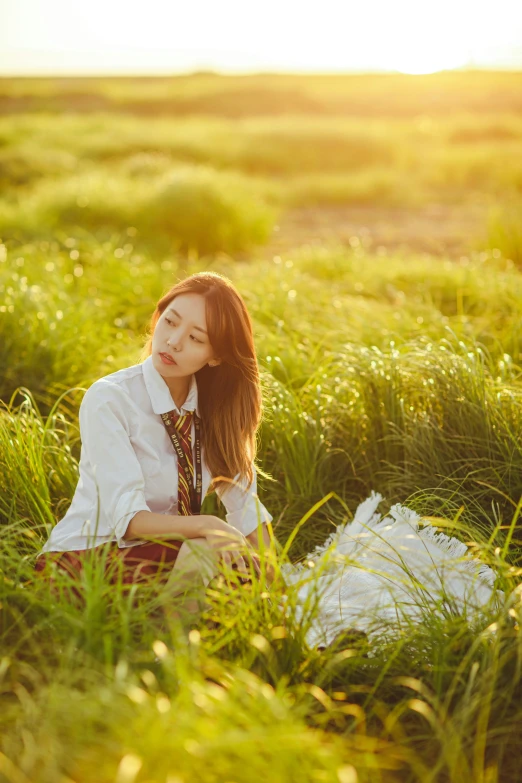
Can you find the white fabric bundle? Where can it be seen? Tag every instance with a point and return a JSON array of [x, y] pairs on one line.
[[376, 573]]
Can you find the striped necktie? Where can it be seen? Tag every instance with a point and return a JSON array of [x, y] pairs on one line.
[[183, 425]]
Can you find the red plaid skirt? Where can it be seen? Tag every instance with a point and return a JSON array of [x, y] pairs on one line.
[[138, 562]]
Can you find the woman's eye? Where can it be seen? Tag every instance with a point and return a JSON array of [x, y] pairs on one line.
[[171, 323]]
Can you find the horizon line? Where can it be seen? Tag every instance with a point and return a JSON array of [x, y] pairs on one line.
[[515, 68]]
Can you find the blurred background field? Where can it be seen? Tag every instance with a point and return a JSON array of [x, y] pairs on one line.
[[373, 225], [422, 161]]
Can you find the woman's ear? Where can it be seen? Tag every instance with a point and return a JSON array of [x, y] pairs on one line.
[[214, 362]]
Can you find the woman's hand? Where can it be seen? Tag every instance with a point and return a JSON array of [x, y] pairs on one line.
[[231, 546]]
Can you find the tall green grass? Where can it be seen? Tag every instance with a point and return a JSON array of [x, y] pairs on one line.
[[104, 688], [356, 398]]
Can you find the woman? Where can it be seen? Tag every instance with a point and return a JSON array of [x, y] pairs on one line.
[[157, 436]]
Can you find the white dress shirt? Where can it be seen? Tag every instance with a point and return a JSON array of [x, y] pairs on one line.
[[128, 463]]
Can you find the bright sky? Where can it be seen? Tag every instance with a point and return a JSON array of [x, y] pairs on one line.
[[171, 36]]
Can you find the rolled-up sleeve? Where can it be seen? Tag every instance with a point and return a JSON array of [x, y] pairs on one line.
[[106, 443], [244, 509]]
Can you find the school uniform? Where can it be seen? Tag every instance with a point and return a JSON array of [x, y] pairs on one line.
[[128, 464]]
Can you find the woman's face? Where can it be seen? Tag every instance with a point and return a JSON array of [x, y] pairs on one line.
[[181, 335]]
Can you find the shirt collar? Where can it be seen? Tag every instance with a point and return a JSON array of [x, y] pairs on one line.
[[159, 393]]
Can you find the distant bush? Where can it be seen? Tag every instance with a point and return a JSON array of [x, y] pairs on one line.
[[200, 209], [190, 208], [24, 165]]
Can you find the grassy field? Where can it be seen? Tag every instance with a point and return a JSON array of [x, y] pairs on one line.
[[373, 225]]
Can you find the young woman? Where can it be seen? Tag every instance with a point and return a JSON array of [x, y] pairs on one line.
[[157, 436]]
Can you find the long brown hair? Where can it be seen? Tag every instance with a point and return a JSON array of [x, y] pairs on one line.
[[229, 395]]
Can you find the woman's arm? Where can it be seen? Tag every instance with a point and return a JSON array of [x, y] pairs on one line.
[[244, 509], [228, 543], [104, 417], [147, 524]]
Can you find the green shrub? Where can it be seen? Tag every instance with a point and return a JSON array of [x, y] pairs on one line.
[[185, 209]]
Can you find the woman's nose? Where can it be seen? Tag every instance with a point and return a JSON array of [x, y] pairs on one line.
[[176, 341]]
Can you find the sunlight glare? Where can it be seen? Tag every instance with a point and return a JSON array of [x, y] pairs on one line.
[[406, 36], [433, 39]]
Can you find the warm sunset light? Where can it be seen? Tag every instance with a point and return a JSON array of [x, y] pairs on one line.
[[117, 37], [260, 391]]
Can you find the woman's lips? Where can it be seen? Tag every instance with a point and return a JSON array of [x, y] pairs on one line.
[[166, 359]]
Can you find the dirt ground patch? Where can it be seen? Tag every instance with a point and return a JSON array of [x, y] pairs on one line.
[[437, 229]]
